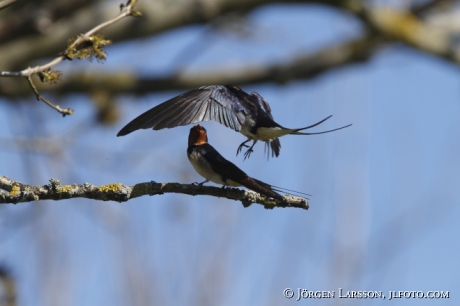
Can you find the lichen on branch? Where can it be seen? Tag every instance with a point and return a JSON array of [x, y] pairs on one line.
[[17, 192], [90, 48]]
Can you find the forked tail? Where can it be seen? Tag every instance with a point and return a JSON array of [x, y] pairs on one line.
[[296, 131], [283, 190], [261, 187]]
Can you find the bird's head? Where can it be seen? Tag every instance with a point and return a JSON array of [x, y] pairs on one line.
[[197, 135]]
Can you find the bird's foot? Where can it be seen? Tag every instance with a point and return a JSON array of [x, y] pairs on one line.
[[243, 144], [248, 153], [200, 184]]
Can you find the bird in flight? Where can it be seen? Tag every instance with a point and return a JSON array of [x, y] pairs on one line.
[[246, 113], [214, 167]]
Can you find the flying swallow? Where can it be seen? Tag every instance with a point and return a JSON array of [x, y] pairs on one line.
[[214, 167], [246, 113]]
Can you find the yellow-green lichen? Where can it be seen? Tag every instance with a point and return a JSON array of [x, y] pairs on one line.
[[15, 190], [270, 204], [88, 49], [136, 14], [112, 187], [63, 189], [50, 76]]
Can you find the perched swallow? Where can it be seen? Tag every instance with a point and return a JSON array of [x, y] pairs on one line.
[[229, 105], [214, 167]]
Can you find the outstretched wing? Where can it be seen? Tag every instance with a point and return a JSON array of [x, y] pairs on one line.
[[262, 104], [206, 103]]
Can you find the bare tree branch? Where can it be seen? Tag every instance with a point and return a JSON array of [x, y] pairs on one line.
[[34, 17], [64, 112], [18, 192], [407, 28], [6, 3], [126, 10], [161, 15], [173, 16], [387, 25], [422, 8], [302, 67], [18, 52], [305, 66]]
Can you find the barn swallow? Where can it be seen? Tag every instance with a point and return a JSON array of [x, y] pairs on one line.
[[214, 167], [246, 113]]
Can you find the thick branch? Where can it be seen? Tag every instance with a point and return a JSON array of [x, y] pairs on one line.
[[18, 192], [407, 28], [305, 66], [420, 9], [302, 67], [161, 15]]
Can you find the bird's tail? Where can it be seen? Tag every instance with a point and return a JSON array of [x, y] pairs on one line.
[[261, 187], [276, 189], [272, 148], [297, 131], [291, 192]]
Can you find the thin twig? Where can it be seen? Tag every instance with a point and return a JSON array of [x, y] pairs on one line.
[[17, 192], [126, 10], [64, 112], [6, 3]]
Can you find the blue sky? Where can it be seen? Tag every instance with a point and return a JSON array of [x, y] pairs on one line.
[[383, 215]]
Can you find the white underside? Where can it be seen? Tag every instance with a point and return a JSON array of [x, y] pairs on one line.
[[247, 125], [265, 134], [270, 133], [201, 165], [244, 130]]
